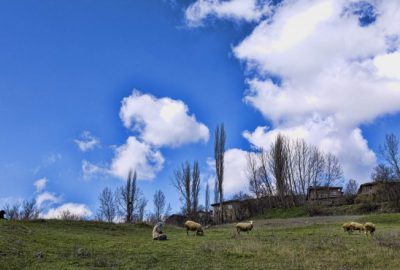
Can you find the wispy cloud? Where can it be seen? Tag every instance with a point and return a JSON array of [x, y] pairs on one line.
[[86, 141], [40, 184]]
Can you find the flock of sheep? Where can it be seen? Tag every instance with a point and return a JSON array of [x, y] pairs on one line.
[[198, 229], [349, 227], [367, 227]]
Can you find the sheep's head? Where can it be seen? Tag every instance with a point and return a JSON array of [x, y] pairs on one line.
[[200, 232], [251, 222]]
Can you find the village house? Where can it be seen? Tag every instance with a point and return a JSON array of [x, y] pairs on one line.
[[233, 210], [378, 191], [325, 195]]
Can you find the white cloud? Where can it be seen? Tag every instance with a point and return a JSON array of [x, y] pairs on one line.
[[161, 122], [89, 169], [80, 210], [235, 166], [247, 10], [333, 75], [138, 156], [87, 141], [47, 197], [40, 184]]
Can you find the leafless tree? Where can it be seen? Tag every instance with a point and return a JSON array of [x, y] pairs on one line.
[[13, 211], [255, 186], [167, 211], [216, 194], [195, 188], [219, 153], [181, 181], [108, 206], [159, 204], [390, 152], [207, 201], [128, 197], [29, 210], [67, 215], [351, 188], [141, 207], [333, 170], [278, 166], [383, 173]]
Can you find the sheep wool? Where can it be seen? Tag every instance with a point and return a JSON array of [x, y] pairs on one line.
[[244, 227], [369, 228], [194, 227]]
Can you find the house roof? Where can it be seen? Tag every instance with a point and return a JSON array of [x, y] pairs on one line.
[[323, 188], [226, 202]]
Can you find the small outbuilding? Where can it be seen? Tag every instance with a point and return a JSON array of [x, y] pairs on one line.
[[325, 195]]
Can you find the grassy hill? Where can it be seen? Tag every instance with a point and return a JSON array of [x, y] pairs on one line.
[[291, 243]]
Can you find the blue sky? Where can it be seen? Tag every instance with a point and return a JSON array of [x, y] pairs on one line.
[[65, 68]]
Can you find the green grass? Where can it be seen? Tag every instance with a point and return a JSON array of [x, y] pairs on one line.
[[291, 243]]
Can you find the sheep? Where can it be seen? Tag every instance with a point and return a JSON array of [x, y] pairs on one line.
[[244, 227], [347, 227], [158, 233], [355, 226], [369, 227], [194, 227]]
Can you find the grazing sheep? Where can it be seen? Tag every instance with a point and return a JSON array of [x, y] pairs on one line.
[[194, 227], [244, 227], [355, 226], [369, 227], [347, 227]]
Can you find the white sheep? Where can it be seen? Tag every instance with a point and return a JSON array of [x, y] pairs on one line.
[[244, 227], [194, 227], [355, 226], [369, 227]]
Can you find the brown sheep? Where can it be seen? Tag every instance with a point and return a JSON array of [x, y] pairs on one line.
[[347, 227], [194, 227], [244, 227], [355, 226], [369, 227]]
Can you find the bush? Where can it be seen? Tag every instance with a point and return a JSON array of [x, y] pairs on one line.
[[367, 207]]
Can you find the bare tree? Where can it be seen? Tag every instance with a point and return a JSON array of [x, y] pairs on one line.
[[333, 170], [216, 195], [207, 201], [219, 153], [195, 188], [383, 173], [255, 186], [167, 211], [159, 204], [108, 206], [351, 188], [128, 196], [67, 215], [12, 211], [29, 210], [181, 181], [390, 152], [141, 207], [278, 166]]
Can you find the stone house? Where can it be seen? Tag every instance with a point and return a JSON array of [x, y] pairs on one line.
[[325, 195]]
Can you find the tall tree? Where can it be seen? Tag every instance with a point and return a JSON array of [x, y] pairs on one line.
[[108, 207], [207, 200], [278, 165], [159, 204], [141, 207], [391, 153], [195, 188], [219, 153], [128, 196], [351, 188], [333, 170], [181, 181], [383, 173]]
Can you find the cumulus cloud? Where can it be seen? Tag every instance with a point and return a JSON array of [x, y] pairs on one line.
[[80, 210], [47, 198], [247, 10], [40, 184], [139, 156], [87, 141], [161, 122], [323, 68], [235, 166]]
